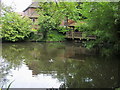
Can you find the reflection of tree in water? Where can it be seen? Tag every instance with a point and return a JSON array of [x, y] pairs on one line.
[[77, 67], [92, 73], [4, 71], [11, 59], [13, 54]]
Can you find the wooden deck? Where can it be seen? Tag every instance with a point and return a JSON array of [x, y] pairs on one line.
[[79, 35]]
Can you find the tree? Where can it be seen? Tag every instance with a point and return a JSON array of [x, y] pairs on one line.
[[103, 21], [52, 14], [15, 27], [49, 18]]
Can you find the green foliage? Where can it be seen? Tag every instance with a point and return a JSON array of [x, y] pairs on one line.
[[34, 30], [5, 9], [52, 14], [36, 36], [83, 27], [47, 20], [102, 21], [15, 27], [55, 36], [46, 24], [63, 29], [70, 10]]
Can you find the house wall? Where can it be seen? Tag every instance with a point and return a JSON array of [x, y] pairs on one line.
[[30, 12], [26, 13], [33, 11]]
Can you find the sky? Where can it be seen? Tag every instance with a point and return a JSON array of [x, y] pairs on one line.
[[18, 5]]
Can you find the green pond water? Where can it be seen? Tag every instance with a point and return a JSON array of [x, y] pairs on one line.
[[56, 65]]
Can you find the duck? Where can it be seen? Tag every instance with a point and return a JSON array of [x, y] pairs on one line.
[[51, 60]]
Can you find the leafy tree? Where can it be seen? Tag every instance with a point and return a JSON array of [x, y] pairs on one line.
[[103, 21], [5, 9], [14, 27], [70, 10], [52, 14], [49, 18]]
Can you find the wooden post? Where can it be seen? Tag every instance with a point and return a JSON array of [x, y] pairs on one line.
[[67, 23], [73, 33]]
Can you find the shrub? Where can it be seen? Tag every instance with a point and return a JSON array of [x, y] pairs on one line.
[[14, 27]]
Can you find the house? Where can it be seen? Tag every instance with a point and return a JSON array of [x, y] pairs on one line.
[[31, 12], [75, 34]]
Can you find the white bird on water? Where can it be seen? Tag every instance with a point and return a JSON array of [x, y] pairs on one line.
[[51, 60]]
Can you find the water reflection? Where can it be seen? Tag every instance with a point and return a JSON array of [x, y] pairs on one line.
[[47, 65]]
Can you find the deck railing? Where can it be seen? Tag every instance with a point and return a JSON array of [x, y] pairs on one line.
[[78, 35]]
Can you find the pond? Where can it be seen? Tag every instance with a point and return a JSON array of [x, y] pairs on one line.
[[56, 65]]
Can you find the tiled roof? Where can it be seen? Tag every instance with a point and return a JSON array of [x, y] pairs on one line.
[[70, 23], [65, 23]]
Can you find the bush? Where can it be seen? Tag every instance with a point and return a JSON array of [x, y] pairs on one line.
[[55, 36], [14, 27]]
